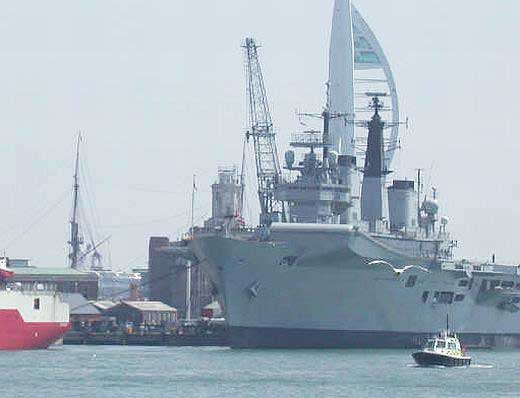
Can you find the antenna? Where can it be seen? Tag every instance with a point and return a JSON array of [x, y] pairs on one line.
[[242, 179], [193, 190], [188, 263], [419, 196], [188, 290]]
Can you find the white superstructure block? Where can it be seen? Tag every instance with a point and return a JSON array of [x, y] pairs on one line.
[[341, 80]]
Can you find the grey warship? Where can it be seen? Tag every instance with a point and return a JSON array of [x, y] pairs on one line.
[[334, 265]]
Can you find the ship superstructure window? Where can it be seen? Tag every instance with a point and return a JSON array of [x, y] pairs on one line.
[[508, 284], [36, 303], [443, 297], [441, 344], [410, 282], [288, 260], [459, 297], [425, 296], [470, 284], [463, 283], [446, 297]]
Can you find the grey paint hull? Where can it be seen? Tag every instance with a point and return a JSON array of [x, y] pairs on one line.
[[241, 337], [310, 289]]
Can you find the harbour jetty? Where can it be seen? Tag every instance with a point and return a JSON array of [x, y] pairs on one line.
[[194, 333]]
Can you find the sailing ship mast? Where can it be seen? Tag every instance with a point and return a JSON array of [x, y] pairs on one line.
[[75, 240]]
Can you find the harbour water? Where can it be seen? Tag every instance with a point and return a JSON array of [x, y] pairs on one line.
[[160, 372]]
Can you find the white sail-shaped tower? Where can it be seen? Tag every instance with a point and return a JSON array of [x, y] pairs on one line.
[[341, 80], [357, 65], [373, 74]]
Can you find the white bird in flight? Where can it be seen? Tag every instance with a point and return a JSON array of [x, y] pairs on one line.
[[398, 271]]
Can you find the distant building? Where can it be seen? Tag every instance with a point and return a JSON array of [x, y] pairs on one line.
[[161, 274], [63, 280], [167, 278], [147, 313], [167, 268], [212, 310], [225, 199], [82, 313], [144, 287], [103, 305], [118, 285], [17, 262]]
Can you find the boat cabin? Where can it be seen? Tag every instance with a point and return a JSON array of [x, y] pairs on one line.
[[445, 343]]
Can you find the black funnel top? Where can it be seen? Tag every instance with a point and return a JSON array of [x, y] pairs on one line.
[[374, 160]]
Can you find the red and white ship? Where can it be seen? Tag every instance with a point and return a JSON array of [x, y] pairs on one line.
[[29, 319]]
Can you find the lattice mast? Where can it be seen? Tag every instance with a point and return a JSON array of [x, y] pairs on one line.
[[261, 130]]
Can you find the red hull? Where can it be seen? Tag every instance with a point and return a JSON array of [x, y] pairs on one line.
[[16, 334]]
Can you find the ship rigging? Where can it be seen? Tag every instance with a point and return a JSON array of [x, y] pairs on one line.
[[79, 250]]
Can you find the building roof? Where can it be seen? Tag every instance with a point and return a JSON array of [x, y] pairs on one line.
[[46, 271], [149, 306], [214, 305], [103, 305], [216, 308], [79, 305], [55, 274]]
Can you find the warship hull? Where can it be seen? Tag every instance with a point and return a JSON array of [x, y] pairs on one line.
[[313, 286], [281, 338]]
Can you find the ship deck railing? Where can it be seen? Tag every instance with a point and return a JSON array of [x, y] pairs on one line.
[[481, 268], [223, 230], [36, 288]]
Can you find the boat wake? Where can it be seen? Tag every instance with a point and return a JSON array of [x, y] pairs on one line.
[[476, 366], [414, 365], [481, 366]]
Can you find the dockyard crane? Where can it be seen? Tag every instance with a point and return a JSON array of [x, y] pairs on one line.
[[261, 130]]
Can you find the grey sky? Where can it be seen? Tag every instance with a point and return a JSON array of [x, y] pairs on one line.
[[158, 89]]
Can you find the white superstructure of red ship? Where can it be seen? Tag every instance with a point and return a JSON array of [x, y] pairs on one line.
[[29, 319]]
